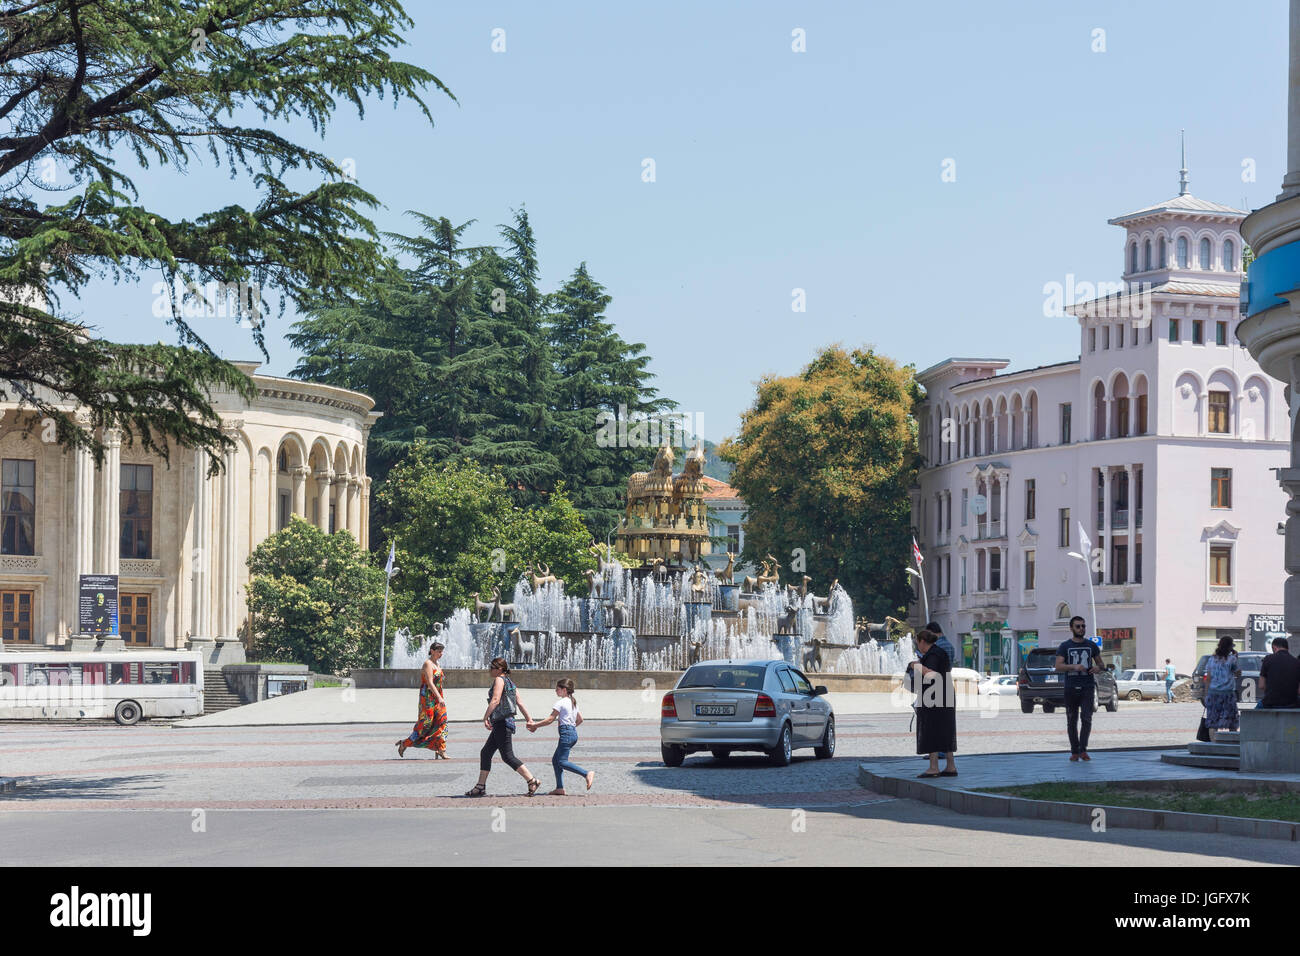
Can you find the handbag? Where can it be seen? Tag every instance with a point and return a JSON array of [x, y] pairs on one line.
[[1203, 732]]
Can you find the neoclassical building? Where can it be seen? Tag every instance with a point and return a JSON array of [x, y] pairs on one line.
[[1157, 439], [178, 539]]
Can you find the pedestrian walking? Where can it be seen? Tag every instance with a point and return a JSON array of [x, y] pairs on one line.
[[430, 730], [936, 705], [1221, 674], [1078, 659], [1170, 676], [566, 712], [499, 719]]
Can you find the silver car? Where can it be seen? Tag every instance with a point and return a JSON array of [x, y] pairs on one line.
[[1136, 684], [724, 706]]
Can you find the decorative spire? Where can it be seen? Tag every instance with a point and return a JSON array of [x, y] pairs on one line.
[[1182, 181]]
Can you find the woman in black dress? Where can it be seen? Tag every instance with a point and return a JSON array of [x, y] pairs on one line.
[[936, 705]]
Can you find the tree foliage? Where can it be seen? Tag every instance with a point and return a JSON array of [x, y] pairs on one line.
[[316, 599], [463, 353], [825, 461], [84, 83], [458, 530]]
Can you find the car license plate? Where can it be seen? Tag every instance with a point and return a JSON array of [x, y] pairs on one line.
[[715, 710], [1053, 678]]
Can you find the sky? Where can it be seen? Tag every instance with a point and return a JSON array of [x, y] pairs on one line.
[[920, 171]]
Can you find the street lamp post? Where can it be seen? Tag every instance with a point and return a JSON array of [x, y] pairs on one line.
[[1092, 595]]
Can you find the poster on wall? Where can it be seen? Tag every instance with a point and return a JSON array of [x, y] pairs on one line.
[[97, 604]]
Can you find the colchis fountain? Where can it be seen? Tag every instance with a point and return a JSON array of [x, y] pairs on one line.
[[665, 614]]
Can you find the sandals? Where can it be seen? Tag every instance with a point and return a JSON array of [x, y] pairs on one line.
[[479, 790], [533, 786], [927, 775], [948, 773], [401, 748]]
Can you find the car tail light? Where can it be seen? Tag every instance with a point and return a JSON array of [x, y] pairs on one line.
[[763, 707], [669, 708]]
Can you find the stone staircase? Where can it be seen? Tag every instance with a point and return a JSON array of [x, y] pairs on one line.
[[1222, 753], [217, 695]]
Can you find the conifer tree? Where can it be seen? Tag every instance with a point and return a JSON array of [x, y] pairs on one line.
[[84, 83]]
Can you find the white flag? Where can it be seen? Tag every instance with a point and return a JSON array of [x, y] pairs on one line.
[[389, 568], [1085, 546]]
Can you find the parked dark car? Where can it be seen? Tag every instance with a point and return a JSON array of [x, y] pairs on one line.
[[1039, 683], [1247, 683]]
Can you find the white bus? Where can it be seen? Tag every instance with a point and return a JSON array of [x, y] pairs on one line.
[[63, 685]]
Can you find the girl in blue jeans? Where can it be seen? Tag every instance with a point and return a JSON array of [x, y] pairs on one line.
[[566, 712]]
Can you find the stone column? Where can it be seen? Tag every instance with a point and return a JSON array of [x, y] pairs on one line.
[[300, 473], [200, 554], [1203, 418], [365, 513], [323, 479], [994, 449], [354, 506], [1132, 522], [1006, 568], [228, 575], [1106, 517], [1291, 183], [83, 504], [1006, 504], [107, 560]]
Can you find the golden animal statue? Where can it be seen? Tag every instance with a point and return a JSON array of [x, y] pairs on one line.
[[724, 576], [774, 577], [480, 607], [749, 584], [545, 578]]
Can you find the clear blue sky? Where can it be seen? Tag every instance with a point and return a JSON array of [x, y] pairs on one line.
[[819, 170]]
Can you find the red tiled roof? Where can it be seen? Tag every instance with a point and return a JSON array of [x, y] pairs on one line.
[[719, 489]]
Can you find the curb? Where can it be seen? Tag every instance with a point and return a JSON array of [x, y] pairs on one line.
[[1133, 818]]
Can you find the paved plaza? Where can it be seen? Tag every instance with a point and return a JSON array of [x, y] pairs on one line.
[[229, 795]]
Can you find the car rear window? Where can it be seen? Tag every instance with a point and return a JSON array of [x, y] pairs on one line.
[[724, 675], [1250, 662], [1041, 657]]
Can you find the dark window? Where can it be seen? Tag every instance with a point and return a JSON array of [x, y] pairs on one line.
[[1173, 330], [1063, 529], [1119, 564], [1219, 413], [1198, 332], [136, 505], [1065, 424], [733, 538], [1220, 333], [1137, 563], [1031, 505], [1221, 488], [1141, 427], [995, 570], [282, 462], [286, 509], [18, 491], [16, 616], [1029, 570], [1121, 412]]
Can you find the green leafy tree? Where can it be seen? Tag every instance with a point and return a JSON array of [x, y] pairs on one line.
[[458, 531], [825, 461], [84, 83], [316, 599]]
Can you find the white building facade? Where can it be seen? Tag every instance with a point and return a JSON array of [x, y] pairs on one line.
[[177, 539], [1158, 439]]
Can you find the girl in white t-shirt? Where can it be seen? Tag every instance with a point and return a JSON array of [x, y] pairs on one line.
[[566, 712]]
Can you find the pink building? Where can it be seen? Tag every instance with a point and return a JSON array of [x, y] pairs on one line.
[[1158, 438]]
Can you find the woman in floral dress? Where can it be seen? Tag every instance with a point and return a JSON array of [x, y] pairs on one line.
[[1221, 673], [431, 727]]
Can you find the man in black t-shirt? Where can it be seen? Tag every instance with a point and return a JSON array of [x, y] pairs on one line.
[[1078, 659], [1279, 676]]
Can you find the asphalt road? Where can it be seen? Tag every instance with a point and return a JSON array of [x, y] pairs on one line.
[[101, 794]]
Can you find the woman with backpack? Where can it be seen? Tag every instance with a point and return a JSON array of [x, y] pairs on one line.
[[565, 710], [499, 718]]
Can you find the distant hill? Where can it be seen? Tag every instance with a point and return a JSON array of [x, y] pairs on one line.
[[714, 466]]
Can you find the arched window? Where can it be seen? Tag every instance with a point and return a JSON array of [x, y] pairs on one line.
[[1182, 252], [282, 462], [1133, 258], [1160, 253], [1205, 254], [1230, 256], [1146, 256], [1062, 612]]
